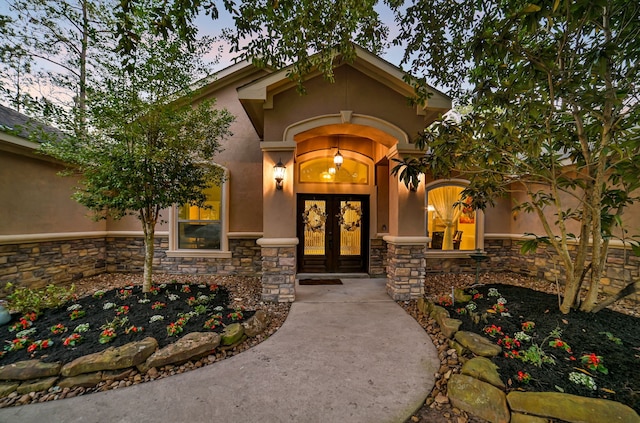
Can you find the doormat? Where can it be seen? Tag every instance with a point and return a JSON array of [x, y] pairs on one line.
[[320, 282]]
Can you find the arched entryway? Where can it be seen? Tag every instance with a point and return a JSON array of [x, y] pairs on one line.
[[342, 207], [352, 218]]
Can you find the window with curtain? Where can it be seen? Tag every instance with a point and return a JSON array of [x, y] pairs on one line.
[[201, 227], [451, 226]]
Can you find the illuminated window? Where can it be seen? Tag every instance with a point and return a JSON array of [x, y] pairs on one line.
[[323, 170], [451, 226], [201, 227]]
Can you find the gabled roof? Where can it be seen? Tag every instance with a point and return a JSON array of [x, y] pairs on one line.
[[258, 95], [20, 134], [227, 76], [20, 125]]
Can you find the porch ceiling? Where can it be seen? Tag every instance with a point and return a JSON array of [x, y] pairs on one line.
[[347, 130]]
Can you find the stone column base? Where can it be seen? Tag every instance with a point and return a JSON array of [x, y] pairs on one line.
[[406, 267], [278, 269]]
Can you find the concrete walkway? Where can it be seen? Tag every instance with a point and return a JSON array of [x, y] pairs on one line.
[[346, 353]]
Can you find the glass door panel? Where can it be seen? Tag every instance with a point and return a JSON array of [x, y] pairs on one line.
[[350, 221], [315, 223]]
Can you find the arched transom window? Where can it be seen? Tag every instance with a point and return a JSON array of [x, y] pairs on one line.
[[323, 170]]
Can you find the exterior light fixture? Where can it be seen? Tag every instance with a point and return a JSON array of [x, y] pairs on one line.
[[338, 160], [278, 174], [415, 181]]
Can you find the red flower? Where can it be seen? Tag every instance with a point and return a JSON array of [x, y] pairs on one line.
[[32, 347], [122, 310]]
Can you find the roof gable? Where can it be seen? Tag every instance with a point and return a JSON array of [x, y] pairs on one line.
[[258, 95]]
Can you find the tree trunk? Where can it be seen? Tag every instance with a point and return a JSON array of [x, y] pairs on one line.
[[149, 247], [571, 288]]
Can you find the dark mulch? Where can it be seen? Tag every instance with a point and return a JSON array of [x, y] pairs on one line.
[[139, 315], [585, 333]]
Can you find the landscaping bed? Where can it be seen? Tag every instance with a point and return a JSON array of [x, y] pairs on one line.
[[608, 339], [188, 304]]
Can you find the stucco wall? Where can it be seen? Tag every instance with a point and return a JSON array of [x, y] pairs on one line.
[[353, 91], [34, 199], [243, 158]]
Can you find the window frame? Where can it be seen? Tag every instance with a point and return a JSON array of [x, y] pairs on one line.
[[174, 222], [479, 223]]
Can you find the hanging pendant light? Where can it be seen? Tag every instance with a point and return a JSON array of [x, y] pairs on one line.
[[338, 159]]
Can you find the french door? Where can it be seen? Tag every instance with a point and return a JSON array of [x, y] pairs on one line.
[[333, 233]]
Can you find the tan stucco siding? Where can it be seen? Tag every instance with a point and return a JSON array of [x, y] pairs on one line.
[[242, 156], [498, 219], [35, 200], [352, 90]]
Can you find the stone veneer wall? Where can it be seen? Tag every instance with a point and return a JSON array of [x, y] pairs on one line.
[[405, 271], [37, 264], [504, 255], [378, 258], [278, 273], [126, 254]]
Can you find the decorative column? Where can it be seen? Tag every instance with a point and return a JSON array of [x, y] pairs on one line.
[[406, 267], [279, 242], [406, 242]]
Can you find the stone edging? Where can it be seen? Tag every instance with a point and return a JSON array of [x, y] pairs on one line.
[[478, 389], [118, 363]]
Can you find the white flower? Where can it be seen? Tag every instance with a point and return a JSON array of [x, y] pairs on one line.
[[74, 307], [162, 285], [219, 308], [26, 332], [502, 300], [471, 306], [108, 306], [203, 286], [143, 300], [203, 299], [523, 337], [156, 318], [173, 297], [583, 379], [82, 328], [493, 292]]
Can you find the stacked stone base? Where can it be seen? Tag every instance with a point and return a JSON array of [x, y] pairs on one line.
[[278, 272], [405, 270]]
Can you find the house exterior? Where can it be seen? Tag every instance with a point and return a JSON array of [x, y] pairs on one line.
[[335, 207]]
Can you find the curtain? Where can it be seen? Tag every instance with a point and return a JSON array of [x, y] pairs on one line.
[[443, 200]]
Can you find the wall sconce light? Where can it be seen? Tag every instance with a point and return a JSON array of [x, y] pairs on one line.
[[413, 185], [278, 174], [338, 159]]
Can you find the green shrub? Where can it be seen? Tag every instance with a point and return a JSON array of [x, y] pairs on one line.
[[24, 300]]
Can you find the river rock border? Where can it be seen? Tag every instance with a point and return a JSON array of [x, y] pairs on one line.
[[22, 380], [478, 389]]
